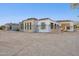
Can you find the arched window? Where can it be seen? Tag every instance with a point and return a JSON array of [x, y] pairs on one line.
[[27, 26], [43, 25], [30, 25]]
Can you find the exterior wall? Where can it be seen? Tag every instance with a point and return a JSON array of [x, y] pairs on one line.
[[33, 25], [70, 24], [56, 27]]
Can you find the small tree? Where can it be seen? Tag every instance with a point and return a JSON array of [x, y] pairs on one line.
[[75, 5], [2, 27]]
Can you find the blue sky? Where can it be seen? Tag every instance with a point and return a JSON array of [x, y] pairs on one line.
[[17, 12]]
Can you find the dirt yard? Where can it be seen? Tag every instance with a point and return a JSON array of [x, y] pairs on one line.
[[39, 44]]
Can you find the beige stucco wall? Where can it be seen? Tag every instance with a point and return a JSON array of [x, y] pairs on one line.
[[33, 22]]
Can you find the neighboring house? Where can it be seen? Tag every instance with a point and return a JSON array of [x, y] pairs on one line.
[[66, 25], [12, 26], [29, 25], [47, 25]]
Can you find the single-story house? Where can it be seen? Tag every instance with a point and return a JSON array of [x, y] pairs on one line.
[[46, 25]]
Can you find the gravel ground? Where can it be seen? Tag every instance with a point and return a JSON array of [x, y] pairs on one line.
[[39, 44]]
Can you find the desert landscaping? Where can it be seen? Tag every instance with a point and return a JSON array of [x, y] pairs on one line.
[[39, 44]]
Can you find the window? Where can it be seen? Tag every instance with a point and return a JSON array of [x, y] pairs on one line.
[[68, 27], [51, 25], [27, 26], [30, 25], [43, 25]]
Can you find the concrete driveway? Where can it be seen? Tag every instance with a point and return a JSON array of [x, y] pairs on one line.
[[39, 44]]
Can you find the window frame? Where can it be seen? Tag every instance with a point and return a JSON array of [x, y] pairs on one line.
[[43, 25]]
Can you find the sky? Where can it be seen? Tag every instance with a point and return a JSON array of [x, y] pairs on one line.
[[16, 12]]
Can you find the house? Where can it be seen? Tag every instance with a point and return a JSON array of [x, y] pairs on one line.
[[29, 25], [47, 25], [66, 25], [12, 27]]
